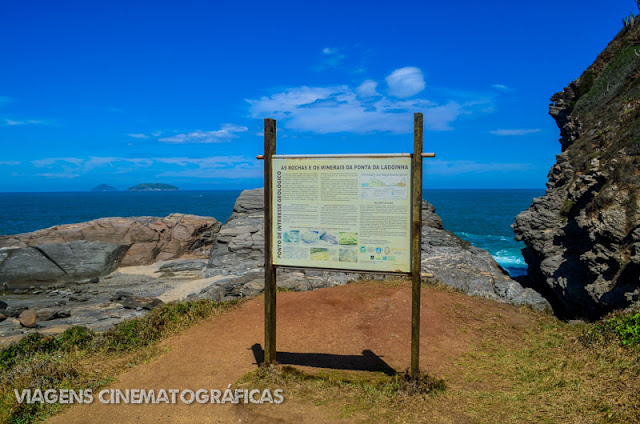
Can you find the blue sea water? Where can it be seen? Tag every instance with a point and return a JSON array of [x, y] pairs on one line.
[[482, 217]]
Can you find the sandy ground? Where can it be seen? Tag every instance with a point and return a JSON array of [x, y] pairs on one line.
[[328, 328]]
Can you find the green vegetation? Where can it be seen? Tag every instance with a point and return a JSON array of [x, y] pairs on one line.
[[80, 359], [566, 207], [153, 187], [624, 329]]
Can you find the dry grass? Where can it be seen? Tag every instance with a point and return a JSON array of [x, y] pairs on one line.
[[545, 374]]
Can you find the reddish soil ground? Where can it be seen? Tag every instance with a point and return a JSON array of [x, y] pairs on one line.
[[328, 328]]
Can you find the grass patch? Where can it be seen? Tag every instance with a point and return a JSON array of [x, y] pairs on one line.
[[549, 376], [623, 329], [80, 359], [376, 396]]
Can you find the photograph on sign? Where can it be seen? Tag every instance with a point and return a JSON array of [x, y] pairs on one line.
[[342, 213]]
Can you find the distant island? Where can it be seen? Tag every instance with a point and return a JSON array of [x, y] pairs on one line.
[[153, 187], [104, 187]]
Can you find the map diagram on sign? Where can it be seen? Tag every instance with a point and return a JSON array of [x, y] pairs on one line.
[[384, 186]]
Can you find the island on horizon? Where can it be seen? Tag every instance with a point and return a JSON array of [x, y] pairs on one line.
[[153, 187], [104, 187]]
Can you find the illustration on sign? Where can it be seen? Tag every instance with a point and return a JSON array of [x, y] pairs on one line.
[[342, 213]]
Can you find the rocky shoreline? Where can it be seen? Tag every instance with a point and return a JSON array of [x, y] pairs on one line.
[[105, 271]]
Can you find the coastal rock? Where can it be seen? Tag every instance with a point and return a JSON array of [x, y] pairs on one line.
[[28, 318], [239, 247], [48, 314], [583, 235], [135, 302], [182, 265], [238, 255], [2, 317], [57, 262], [149, 239]]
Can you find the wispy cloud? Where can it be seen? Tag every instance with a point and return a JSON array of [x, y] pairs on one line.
[[50, 161], [340, 108], [9, 162], [214, 167], [441, 167], [226, 133], [500, 87], [138, 135], [12, 122], [515, 132], [332, 57], [405, 82], [62, 175], [206, 167]]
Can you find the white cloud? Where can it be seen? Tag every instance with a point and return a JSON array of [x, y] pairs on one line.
[[516, 132], [441, 167], [334, 109], [9, 162], [138, 135], [405, 82], [367, 89], [332, 57], [58, 175], [206, 167], [13, 122], [50, 161], [226, 133], [501, 87]]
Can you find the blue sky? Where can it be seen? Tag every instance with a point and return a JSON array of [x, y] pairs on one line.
[[176, 92]]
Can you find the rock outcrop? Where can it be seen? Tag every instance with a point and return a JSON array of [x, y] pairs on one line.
[[57, 262], [149, 239], [239, 256], [91, 249], [583, 235]]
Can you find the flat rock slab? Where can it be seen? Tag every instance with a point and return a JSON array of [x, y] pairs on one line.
[[134, 302]]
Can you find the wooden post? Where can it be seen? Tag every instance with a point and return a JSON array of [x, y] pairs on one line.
[[416, 232], [269, 270]]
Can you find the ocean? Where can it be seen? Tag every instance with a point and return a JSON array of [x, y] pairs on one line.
[[482, 217]]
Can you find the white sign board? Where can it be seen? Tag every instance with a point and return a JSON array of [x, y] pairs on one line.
[[343, 213]]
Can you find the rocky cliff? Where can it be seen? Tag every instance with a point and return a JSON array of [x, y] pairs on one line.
[[583, 235]]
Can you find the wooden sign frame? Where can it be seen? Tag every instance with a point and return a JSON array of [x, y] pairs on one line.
[[270, 286]]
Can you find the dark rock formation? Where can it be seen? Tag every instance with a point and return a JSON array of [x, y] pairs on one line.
[[49, 314], [142, 302], [149, 239], [56, 262], [239, 256], [583, 235]]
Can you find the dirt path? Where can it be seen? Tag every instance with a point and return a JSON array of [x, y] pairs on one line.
[[341, 321]]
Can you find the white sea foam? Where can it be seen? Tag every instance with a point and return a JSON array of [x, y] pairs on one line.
[[507, 258]]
